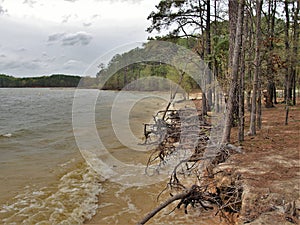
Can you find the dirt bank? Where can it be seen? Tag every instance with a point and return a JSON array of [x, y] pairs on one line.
[[269, 169]]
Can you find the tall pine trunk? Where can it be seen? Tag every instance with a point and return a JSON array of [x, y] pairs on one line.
[[242, 83], [208, 55], [295, 58], [288, 85], [257, 60], [270, 67], [234, 73]]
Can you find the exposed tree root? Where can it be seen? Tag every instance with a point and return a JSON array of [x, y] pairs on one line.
[[179, 133], [161, 206]]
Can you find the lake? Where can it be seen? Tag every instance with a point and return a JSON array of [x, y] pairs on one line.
[[46, 176]]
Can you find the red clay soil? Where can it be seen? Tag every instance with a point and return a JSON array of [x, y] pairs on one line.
[[269, 169]]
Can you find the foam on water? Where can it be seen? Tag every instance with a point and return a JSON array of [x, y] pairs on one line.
[[7, 135], [72, 201]]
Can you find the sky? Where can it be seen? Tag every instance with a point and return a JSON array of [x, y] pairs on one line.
[[42, 37]]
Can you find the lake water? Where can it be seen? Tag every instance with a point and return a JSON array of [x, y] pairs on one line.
[[44, 177]]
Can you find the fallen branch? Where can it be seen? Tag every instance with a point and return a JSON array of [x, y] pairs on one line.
[[163, 205]]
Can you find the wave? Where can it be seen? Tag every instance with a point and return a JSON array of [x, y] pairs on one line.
[[7, 135], [72, 201]]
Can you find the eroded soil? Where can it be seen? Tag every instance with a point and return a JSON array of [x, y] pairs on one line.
[[269, 169]]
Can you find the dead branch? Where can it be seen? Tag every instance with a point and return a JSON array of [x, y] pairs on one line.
[[174, 95], [161, 206]]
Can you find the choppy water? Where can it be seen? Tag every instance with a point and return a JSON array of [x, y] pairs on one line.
[[44, 178]]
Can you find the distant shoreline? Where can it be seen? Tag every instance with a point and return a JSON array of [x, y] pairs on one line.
[[52, 81]]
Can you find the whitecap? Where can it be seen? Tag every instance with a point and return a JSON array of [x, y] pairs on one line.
[[73, 201], [8, 135]]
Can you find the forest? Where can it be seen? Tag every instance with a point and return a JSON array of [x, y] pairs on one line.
[[55, 80], [251, 47]]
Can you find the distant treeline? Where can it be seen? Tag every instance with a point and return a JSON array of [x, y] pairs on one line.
[[143, 74], [55, 80]]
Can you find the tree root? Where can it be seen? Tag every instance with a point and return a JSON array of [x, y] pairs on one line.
[[169, 135], [161, 206]]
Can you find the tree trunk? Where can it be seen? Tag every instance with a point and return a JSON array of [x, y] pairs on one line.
[[252, 130], [294, 87], [287, 54], [204, 105], [275, 95], [234, 73], [208, 54], [270, 67], [295, 47], [233, 18], [259, 111], [242, 97], [248, 99], [242, 85]]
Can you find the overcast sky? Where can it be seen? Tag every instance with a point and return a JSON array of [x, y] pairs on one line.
[[42, 37]]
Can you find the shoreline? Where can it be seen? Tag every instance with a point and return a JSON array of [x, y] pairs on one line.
[[239, 168]]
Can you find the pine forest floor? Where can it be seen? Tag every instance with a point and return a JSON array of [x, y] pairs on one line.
[[269, 169]]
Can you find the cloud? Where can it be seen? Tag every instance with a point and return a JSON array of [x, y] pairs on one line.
[[95, 16], [22, 49], [55, 37], [66, 18], [82, 38], [70, 39], [72, 63], [2, 10], [17, 65], [87, 24], [92, 19], [20, 64], [31, 3]]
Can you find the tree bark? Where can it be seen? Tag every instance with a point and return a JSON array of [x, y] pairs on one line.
[[295, 46], [287, 54], [208, 54], [242, 87], [234, 73], [252, 130], [259, 111], [270, 67], [233, 20]]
